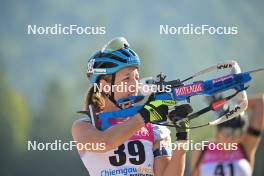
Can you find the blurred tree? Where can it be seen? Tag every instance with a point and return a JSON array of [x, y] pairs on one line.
[[15, 120], [51, 117], [52, 122]]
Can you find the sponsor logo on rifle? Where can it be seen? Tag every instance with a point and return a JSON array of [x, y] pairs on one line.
[[232, 112], [189, 89], [223, 66], [222, 78]]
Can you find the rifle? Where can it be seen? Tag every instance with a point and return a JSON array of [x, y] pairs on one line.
[[183, 92]]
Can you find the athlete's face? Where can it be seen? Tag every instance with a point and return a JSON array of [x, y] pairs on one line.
[[126, 82]]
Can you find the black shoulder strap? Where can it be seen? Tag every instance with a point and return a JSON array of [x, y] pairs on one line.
[[92, 116], [198, 161]]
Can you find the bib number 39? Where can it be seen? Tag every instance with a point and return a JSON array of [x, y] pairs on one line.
[[136, 153]]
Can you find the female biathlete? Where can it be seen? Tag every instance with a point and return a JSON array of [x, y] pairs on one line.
[[131, 146], [234, 161]]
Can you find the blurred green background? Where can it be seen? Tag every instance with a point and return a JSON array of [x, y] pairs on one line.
[[42, 77]]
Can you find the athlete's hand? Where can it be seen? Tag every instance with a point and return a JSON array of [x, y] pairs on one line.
[[179, 113], [156, 110]]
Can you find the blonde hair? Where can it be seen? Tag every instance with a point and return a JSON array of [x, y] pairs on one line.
[[95, 97]]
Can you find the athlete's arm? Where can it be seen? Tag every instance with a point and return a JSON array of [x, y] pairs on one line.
[[161, 162], [114, 136], [176, 165], [84, 132], [251, 142], [194, 168], [169, 166]]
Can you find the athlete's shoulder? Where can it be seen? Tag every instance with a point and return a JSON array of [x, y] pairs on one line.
[[80, 122], [80, 126]]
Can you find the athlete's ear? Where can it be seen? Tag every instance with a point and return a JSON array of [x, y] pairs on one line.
[[105, 86]]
